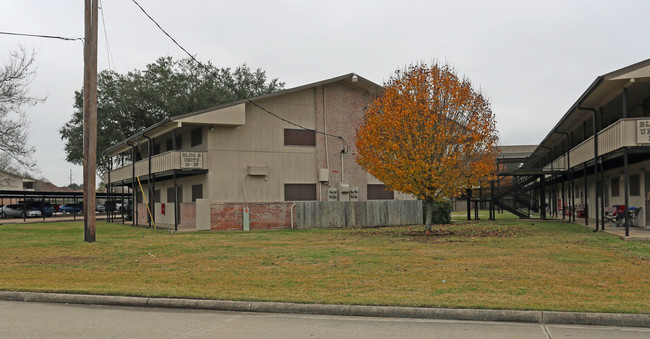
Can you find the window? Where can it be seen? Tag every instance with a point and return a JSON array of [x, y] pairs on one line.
[[197, 192], [179, 143], [197, 137], [635, 186], [171, 197], [299, 192], [156, 149], [380, 192], [615, 192], [299, 137], [156, 196]]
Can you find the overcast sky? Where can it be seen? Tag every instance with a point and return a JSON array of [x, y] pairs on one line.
[[532, 58]]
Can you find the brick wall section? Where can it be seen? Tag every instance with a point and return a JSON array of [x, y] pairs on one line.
[[143, 215], [188, 215], [344, 109], [229, 216]]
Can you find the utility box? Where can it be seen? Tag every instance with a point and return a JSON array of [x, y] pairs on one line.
[[247, 220], [258, 171], [344, 192], [202, 214], [332, 193], [324, 175], [354, 194]]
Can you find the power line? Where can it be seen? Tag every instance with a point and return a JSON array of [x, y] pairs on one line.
[[42, 36], [233, 88], [108, 47]]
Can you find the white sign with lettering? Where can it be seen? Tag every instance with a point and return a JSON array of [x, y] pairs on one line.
[[191, 160], [643, 131]]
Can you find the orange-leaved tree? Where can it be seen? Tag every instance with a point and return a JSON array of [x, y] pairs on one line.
[[429, 133]]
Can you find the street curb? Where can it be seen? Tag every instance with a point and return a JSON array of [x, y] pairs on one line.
[[539, 317]]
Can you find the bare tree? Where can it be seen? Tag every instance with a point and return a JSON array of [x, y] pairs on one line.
[[15, 78]]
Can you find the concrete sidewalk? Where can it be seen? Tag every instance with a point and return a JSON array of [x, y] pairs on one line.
[[538, 317], [635, 233]]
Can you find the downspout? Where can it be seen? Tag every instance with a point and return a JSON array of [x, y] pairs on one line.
[[586, 209], [292, 206], [542, 192], [327, 156], [176, 203], [626, 170], [134, 196], [109, 188], [342, 173], [150, 182], [594, 113], [602, 179]]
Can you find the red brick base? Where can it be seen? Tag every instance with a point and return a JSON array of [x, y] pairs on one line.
[[262, 216], [188, 215]]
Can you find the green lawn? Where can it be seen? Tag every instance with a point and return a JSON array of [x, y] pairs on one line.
[[483, 214], [507, 264]]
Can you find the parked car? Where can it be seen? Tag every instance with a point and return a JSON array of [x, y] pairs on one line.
[[100, 208], [19, 211], [76, 207], [114, 206], [45, 207]]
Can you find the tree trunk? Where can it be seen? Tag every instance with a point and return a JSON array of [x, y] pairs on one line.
[[429, 213]]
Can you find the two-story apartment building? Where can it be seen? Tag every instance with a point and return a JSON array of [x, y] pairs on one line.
[[598, 155], [206, 167]]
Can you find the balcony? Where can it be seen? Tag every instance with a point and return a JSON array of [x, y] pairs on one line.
[[620, 134], [172, 160]]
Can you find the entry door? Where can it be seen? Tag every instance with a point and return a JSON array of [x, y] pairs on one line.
[[647, 197]]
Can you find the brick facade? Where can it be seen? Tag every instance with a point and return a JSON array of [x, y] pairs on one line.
[[339, 111], [188, 215], [262, 216]]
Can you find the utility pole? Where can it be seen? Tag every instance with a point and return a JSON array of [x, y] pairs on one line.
[[90, 118]]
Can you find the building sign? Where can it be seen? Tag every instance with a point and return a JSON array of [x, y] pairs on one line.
[[643, 131], [191, 160]]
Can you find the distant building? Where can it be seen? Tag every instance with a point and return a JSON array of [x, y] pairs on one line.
[[14, 182]]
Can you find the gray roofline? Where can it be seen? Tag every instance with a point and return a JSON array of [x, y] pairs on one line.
[[365, 81], [591, 88], [135, 136], [283, 92]]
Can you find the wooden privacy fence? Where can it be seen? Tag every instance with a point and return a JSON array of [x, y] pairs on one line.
[[321, 214]]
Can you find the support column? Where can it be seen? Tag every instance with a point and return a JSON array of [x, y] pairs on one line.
[[626, 171], [586, 210], [469, 204], [542, 195]]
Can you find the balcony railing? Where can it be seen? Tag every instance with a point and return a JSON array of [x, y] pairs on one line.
[[167, 161], [615, 136]]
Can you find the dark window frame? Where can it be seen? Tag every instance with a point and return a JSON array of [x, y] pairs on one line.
[[615, 187], [197, 192], [635, 185], [379, 192], [196, 137], [171, 197], [299, 192], [299, 137], [156, 196]]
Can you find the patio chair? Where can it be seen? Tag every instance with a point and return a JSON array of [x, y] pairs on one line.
[[633, 214], [617, 215]]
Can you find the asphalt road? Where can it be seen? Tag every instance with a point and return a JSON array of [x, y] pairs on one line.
[[42, 320]]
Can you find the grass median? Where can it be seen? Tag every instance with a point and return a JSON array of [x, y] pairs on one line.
[[507, 264]]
